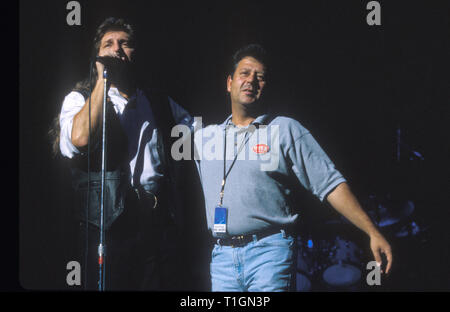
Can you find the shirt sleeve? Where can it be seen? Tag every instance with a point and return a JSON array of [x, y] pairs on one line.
[[315, 171], [180, 115], [72, 104]]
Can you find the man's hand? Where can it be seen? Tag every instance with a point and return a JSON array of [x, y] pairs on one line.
[[100, 68], [379, 245], [343, 200]]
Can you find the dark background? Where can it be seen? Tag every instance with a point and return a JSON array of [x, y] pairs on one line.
[[350, 84]]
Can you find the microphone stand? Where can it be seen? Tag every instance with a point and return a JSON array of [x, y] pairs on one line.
[[101, 246]]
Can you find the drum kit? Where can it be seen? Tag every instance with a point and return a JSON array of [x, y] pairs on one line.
[[333, 258], [328, 264]]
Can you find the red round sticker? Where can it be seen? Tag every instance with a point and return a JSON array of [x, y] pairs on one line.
[[261, 148]]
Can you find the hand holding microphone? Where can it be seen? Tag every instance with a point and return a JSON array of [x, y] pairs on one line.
[[113, 64], [110, 61]]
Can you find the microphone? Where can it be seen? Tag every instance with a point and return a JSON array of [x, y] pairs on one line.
[[111, 62], [117, 68]]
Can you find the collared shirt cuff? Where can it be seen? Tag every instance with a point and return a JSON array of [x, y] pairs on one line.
[[65, 143], [331, 187]]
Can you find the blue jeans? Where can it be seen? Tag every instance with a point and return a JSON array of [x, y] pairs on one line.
[[261, 265]]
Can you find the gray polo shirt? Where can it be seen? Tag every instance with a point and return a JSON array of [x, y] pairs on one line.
[[271, 152]]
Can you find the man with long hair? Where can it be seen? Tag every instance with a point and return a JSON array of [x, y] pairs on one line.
[[140, 217]]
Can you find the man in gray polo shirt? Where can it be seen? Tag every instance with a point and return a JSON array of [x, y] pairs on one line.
[[250, 167]]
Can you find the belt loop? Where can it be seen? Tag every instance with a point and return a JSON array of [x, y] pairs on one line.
[[283, 232], [218, 242], [255, 238]]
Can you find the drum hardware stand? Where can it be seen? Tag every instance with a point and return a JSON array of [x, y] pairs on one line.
[[401, 144]]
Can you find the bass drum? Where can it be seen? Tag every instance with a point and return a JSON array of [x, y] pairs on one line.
[[343, 267]]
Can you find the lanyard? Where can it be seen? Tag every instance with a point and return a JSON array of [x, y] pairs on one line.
[[227, 172]]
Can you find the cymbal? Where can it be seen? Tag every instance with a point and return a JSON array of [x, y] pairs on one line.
[[389, 213]]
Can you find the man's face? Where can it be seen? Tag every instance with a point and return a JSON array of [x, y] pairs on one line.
[[247, 83], [116, 44]]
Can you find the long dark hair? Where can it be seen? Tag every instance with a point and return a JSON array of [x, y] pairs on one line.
[[84, 86], [109, 24]]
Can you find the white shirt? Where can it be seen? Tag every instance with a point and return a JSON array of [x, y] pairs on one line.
[[152, 170]]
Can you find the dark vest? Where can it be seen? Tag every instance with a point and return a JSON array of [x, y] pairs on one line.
[[118, 176]]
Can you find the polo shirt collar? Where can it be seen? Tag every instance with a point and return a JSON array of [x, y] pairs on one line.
[[258, 121]]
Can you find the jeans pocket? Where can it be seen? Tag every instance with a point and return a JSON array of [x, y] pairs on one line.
[[214, 251], [278, 239]]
